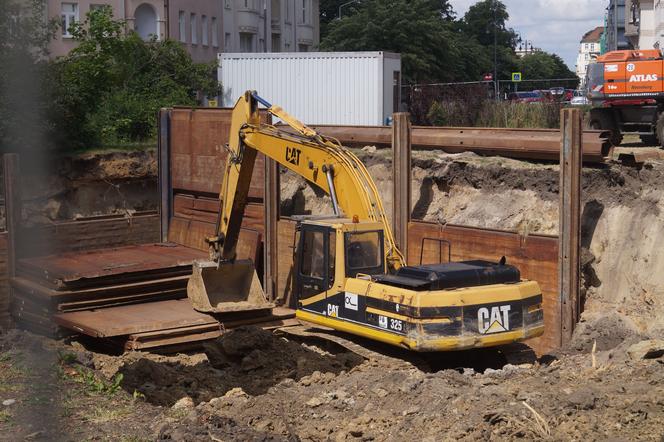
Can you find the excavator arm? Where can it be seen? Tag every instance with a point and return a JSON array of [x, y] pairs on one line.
[[319, 159]]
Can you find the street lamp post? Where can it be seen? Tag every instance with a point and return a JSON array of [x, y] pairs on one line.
[[346, 4]]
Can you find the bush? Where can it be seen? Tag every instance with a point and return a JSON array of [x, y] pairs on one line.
[[519, 115], [491, 113], [108, 89]]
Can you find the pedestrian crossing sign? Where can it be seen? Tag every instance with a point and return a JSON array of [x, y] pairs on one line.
[[516, 77]]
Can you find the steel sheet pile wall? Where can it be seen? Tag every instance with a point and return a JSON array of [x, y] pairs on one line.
[[197, 160]]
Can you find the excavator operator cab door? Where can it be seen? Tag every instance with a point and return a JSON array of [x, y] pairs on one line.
[[315, 264]]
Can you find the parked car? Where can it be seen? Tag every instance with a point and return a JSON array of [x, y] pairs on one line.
[[526, 97], [579, 99], [557, 91]]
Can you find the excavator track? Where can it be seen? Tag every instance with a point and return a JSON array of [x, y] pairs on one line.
[[319, 333], [497, 357]]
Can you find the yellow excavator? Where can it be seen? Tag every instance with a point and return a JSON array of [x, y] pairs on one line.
[[349, 274]]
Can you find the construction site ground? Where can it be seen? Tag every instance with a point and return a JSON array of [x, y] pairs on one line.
[[258, 385]]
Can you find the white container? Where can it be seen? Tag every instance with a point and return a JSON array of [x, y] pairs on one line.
[[341, 88]]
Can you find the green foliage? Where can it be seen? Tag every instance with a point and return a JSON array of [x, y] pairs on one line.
[[434, 46], [540, 65], [422, 31], [485, 17], [108, 90], [97, 385]]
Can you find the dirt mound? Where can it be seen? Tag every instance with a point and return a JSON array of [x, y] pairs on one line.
[[560, 401], [606, 331], [249, 358]]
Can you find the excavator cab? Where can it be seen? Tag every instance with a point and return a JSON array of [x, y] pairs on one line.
[[330, 250]]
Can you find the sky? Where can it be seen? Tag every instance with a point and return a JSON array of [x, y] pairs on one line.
[[553, 25]]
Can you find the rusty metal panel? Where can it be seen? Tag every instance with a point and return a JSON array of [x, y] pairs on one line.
[[87, 234], [285, 251], [67, 268], [198, 154], [536, 256], [138, 318]]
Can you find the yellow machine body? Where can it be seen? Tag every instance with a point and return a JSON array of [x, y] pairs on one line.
[[348, 272]]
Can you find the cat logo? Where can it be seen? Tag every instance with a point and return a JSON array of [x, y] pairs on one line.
[[333, 311], [643, 77], [496, 320], [293, 155]]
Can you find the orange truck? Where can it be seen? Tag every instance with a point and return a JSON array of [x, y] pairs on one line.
[[626, 89]]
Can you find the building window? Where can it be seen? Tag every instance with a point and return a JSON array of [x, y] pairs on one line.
[[227, 41], [302, 48], [227, 4], [69, 15], [182, 27], [276, 43], [246, 42], [194, 29], [304, 11], [215, 33], [205, 30]]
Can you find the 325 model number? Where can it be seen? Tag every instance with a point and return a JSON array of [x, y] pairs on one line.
[[390, 323]]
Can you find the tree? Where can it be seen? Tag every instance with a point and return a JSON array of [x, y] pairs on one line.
[[110, 87], [486, 21], [542, 65], [24, 37], [420, 30], [486, 16]]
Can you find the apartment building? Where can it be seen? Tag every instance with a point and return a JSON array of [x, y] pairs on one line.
[[645, 23], [147, 17], [198, 26], [615, 38], [588, 51], [204, 27], [271, 25]]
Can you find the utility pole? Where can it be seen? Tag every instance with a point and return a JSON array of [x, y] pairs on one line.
[[495, 53]]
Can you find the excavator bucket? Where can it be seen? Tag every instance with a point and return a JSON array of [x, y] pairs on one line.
[[226, 287]]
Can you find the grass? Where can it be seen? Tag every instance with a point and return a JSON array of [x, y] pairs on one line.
[[497, 114], [94, 384], [5, 416], [101, 414]]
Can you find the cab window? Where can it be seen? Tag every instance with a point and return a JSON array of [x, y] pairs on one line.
[[364, 253], [313, 254]]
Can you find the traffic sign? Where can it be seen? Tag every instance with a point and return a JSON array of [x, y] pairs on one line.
[[516, 77]]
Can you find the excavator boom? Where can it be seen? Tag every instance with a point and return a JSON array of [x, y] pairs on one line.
[[320, 160]]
